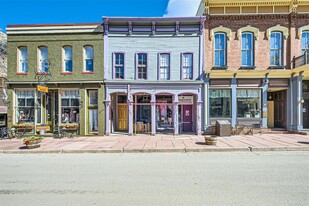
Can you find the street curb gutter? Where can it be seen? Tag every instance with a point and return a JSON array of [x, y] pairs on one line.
[[178, 150]]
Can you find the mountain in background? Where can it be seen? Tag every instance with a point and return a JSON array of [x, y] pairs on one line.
[[3, 54]]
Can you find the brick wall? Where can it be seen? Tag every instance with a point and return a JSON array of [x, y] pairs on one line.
[[292, 45]]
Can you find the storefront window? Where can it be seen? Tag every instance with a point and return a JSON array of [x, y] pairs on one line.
[[220, 103], [25, 106], [164, 114], [142, 113], [249, 103], [70, 106]]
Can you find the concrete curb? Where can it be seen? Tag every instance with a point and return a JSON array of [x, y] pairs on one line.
[[178, 150]]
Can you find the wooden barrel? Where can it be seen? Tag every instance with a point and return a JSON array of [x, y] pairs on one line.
[[211, 140]]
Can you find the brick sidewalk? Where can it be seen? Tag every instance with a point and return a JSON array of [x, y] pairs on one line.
[[161, 143]]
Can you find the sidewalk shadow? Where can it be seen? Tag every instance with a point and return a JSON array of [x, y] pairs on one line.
[[200, 143], [303, 142]]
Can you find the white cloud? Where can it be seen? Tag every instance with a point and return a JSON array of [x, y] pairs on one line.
[[182, 8]]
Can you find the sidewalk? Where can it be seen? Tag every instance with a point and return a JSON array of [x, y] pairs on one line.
[[161, 143]]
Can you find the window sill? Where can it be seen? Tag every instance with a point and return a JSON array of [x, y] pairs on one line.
[[276, 67], [66, 73], [247, 67], [22, 73], [42, 72], [87, 72], [219, 67]]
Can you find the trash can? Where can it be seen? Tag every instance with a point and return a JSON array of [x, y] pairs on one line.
[[42, 132], [223, 128]]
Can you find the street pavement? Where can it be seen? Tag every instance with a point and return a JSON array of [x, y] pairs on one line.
[[161, 143], [224, 178]]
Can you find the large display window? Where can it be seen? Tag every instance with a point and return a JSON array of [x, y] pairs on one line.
[[25, 106], [70, 100], [220, 103], [249, 103]]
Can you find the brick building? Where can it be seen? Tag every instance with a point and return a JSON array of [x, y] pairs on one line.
[[254, 64]]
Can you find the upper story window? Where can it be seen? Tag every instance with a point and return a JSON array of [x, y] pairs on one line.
[[43, 59], [67, 59], [220, 50], [305, 42], [23, 59], [142, 66], [247, 54], [119, 65], [276, 49], [187, 66], [164, 66], [88, 59]]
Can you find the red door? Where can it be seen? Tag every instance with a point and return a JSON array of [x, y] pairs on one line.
[[187, 118]]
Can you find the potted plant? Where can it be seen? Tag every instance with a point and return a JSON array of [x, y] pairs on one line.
[[33, 142], [210, 140], [25, 125]]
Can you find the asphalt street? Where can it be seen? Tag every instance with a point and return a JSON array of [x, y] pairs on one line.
[[266, 178]]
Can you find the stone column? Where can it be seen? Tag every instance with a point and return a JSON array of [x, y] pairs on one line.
[[264, 102], [199, 118], [175, 114], [234, 102], [130, 108], [153, 114], [300, 102], [206, 103], [101, 111]]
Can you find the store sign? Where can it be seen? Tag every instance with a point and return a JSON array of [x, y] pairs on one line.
[[42, 89], [183, 100]]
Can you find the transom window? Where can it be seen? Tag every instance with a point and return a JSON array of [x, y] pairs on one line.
[[305, 42], [220, 50], [88, 58], [67, 59], [276, 49], [23, 59], [247, 49], [142, 66], [187, 66], [164, 70], [43, 59], [119, 65]]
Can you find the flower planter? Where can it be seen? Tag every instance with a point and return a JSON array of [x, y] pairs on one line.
[[210, 140], [33, 145]]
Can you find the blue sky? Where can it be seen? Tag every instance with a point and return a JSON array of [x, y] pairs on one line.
[[81, 11]]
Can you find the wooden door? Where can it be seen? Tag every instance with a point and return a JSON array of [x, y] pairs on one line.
[[270, 114], [122, 117], [187, 118]]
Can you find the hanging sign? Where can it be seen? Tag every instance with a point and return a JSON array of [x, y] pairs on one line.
[[42, 89]]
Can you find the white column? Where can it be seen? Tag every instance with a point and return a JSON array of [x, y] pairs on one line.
[[199, 118], [153, 114], [107, 117], [175, 115], [130, 108]]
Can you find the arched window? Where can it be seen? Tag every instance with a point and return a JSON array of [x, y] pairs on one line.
[[43, 59], [67, 59], [247, 54], [305, 42], [88, 58], [23, 59], [276, 49], [220, 50]]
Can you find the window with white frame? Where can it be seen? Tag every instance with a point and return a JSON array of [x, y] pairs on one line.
[[88, 58], [220, 50], [142, 66], [305, 42], [70, 102], [249, 103], [43, 59], [25, 106], [67, 59], [247, 54], [164, 66], [276, 49], [23, 59], [119, 65], [187, 66], [93, 97]]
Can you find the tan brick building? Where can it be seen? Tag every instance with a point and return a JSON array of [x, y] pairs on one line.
[[256, 63]]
